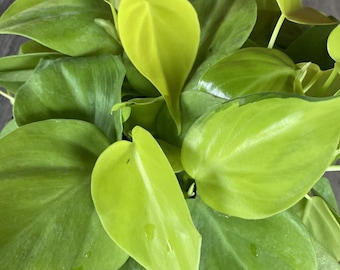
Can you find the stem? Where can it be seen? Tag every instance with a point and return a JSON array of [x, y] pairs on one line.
[[276, 31], [333, 168], [308, 197], [329, 81], [9, 97]]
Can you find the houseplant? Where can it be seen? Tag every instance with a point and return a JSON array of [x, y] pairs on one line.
[[170, 135]]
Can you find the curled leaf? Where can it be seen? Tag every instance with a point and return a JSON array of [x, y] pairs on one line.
[[296, 12]]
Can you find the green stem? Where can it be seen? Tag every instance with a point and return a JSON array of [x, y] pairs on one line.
[[329, 81], [333, 168], [276, 31], [9, 97], [308, 197]]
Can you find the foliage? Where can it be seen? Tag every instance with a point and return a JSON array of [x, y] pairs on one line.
[[165, 135]]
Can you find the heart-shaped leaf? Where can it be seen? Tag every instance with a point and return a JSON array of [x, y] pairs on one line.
[[248, 71], [258, 159], [141, 205], [296, 12], [47, 214], [164, 44], [65, 26], [83, 88], [278, 242]]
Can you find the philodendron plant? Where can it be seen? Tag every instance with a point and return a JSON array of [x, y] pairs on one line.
[[170, 135]]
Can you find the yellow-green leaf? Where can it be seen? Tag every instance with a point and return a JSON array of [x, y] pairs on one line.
[[141, 205], [255, 160], [333, 44], [296, 12], [161, 39]]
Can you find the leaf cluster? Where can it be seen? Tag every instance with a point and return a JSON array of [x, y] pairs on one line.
[[170, 135]]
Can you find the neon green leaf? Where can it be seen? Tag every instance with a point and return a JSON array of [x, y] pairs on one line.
[[333, 44], [163, 45], [141, 206], [296, 12], [258, 159]]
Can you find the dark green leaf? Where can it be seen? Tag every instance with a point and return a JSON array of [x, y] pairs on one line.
[[47, 214], [64, 26], [323, 189], [15, 70], [194, 104], [311, 46], [224, 29], [279, 242], [83, 88]]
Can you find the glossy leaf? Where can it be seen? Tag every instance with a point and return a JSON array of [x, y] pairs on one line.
[[66, 26], [78, 88], [278, 242], [321, 222], [164, 44], [141, 205], [223, 30], [47, 214], [257, 159], [333, 44], [248, 71], [296, 12]]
